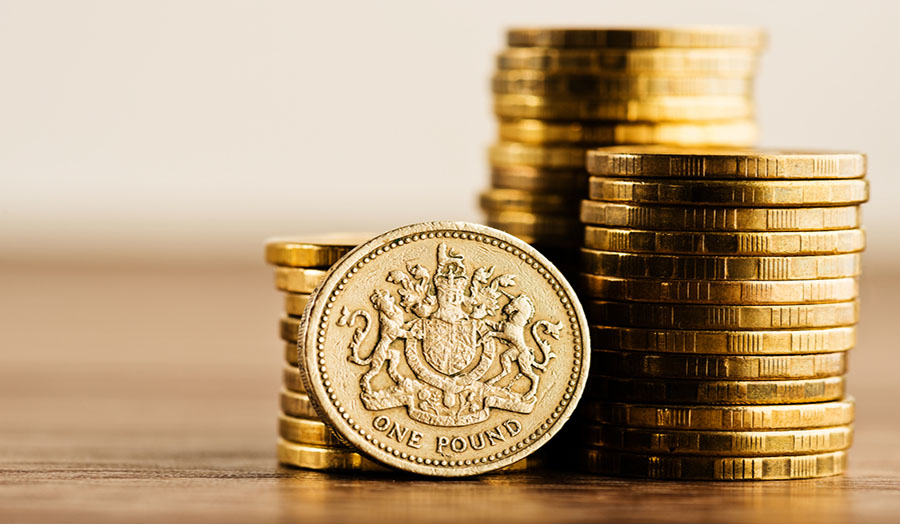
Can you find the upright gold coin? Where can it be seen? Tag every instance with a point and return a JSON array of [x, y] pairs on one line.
[[528, 178], [324, 458], [609, 462], [313, 250], [551, 230], [506, 154], [292, 380], [662, 161], [442, 386], [683, 267], [747, 292], [294, 303], [763, 193], [684, 37], [651, 109], [728, 317], [713, 443], [618, 87], [502, 200], [714, 133], [723, 62], [721, 418], [305, 431], [297, 405], [705, 218], [669, 391], [720, 367], [288, 328], [776, 342], [298, 280], [766, 243]]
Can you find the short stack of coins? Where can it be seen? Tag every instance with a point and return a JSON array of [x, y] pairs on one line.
[[722, 286], [560, 92], [303, 439]]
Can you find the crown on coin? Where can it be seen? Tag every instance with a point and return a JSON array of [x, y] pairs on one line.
[[451, 271]]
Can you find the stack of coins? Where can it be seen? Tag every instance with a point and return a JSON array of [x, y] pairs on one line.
[[304, 440], [722, 287], [560, 92]]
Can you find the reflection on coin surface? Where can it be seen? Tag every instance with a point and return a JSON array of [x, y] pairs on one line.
[[445, 348]]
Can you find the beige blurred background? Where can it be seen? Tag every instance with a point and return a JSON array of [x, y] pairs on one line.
[[186, 132]]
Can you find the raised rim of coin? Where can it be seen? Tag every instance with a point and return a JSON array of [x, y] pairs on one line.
[[732, 243], [324, 458], [666, 161], [534, 131], [314, 337], [720, 418], [718, 443], [725, 342], [759, 193], [312, 250], [728, 61], [692, 467], [298, 279], [644, 37]]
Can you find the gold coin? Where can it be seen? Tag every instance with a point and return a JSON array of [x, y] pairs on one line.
[[723, 62], [609, 462], [290, 353], [298, 280], [534, 229], [528, 178], [662, 161], [313, 250], [689, 37], [764, 193], [294, 303], [413, 408], [506, 154], [721, 418], [618, 87], [655, 109], [732, 243], [288, 328], [297, 405], [704, 218], [719, 367], [501, 200], [730, 443], [706, 316], [670, 391], [292, 380], [323, 458], [780, 342], [745, 292], [305, 431], [683, 267], [715, 133]]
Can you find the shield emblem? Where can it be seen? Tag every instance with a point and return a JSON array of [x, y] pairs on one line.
[[449, 347]]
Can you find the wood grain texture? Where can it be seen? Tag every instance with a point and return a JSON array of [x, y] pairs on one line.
[[150, 395]]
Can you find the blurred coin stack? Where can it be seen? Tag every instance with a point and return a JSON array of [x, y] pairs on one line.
[[304, 440], [722, 287], [560, 92]]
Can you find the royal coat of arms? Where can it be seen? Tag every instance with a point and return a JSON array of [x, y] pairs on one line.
[[439, 337]]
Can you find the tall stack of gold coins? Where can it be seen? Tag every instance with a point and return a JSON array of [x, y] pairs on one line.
[[304, 440], [722, 285], [560, 92]]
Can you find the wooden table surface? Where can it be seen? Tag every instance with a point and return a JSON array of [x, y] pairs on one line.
[[149, 394]]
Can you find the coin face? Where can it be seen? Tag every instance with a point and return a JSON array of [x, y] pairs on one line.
[[445, 348]]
